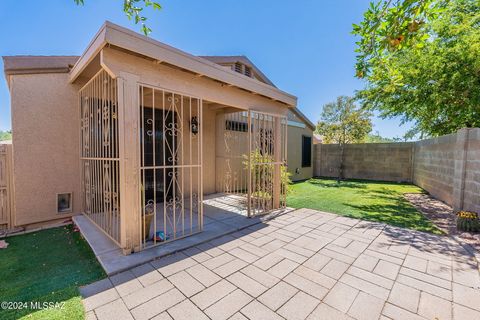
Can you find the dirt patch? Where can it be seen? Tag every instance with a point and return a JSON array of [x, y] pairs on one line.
[[443, 217]]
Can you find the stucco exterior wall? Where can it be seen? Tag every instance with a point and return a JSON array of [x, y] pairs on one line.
[[45, 127], [294, 153], [209, 149], [374, 161]]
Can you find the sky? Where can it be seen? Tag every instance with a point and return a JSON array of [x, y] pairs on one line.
[[304, 47]]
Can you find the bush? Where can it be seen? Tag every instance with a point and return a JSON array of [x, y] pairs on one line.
[[468, 221]]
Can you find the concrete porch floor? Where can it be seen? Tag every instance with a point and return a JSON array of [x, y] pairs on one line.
[[223, 214]]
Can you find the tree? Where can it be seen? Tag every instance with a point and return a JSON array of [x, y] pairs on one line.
[[389, 26], [344, 122], [134, 9], [5, 135], [377, 138], [430, 76]]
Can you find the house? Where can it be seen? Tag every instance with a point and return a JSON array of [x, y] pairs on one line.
[[300, 145], [135, 133]]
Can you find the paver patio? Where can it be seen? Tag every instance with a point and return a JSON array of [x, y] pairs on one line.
[[302, 265]]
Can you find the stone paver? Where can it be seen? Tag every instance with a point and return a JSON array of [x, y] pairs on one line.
[[299, 307], [302, 265], [228, 305], [278, 295]]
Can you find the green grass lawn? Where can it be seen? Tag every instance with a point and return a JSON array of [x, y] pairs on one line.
[[368, 200], [47, 266]]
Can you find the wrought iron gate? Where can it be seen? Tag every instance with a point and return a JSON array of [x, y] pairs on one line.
[[252, 159], [99, 154], [267, 162], [170, 165]]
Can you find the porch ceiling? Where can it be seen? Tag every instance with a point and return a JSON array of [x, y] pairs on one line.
[[113, 35]]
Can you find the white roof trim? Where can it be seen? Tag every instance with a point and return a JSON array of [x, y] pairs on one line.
[[296, 124], [129, 40]]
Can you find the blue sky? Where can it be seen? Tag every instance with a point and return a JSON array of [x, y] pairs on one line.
[[304, 47]]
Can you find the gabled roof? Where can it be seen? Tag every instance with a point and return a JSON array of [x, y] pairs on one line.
[[243, 59], [128, 40]]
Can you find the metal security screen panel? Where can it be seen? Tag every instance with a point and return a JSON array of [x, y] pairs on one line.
[[99, 153], [170, 165], [251, 160], [232, 153], [267, 162]]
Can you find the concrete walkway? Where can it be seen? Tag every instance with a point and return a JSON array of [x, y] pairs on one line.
[[302, 265]]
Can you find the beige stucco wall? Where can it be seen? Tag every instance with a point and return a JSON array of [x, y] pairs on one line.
[[46, 142], [294, 153], [374, 161], [209, 147]]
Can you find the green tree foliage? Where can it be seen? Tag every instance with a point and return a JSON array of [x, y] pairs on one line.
[[422, 64], [5, 135], [344, 122], [134, 10], [377, 138]]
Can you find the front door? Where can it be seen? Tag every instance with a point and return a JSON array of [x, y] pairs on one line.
[[170, 165]]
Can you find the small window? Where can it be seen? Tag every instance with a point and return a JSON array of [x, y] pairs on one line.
[[236, 126], [306, 151], [64, 202]]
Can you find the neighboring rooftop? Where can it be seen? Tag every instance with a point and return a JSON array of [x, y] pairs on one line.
[[38, 64]]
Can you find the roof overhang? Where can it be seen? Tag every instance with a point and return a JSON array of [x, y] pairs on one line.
[[302, 116], [113, 35], [15, 65]]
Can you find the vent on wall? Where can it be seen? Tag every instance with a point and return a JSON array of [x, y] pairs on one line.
[[238, 67], [243, 69], [248, 71], [64, 202]]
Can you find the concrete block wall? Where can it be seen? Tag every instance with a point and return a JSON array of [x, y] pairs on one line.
[[434, 166], [373, 161], [471, 194], [448, 167]]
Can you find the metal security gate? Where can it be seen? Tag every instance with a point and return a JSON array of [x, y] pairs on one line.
[[170, 166], [267, 162], [232, 153], [99, 154], [251, 162]]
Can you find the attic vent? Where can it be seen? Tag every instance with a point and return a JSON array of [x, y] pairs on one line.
[[238, 67], [248, 71], [243, 69]]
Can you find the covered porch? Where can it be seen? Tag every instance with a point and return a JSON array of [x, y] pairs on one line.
[[168, 152]]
